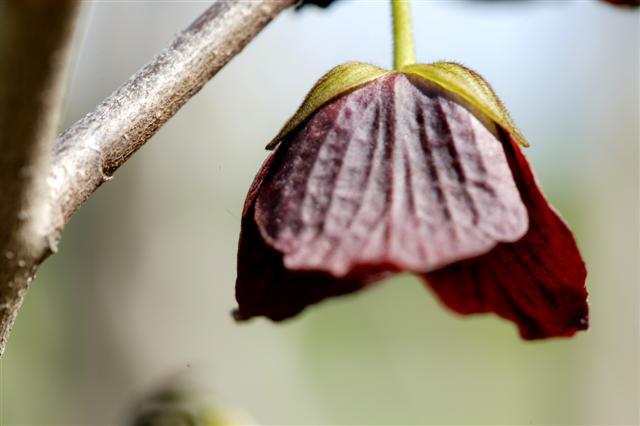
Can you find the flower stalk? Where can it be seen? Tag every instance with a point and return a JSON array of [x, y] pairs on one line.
[[403, 51]]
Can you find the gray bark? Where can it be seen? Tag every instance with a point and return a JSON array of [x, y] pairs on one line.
[[34, 40], [90, 151]]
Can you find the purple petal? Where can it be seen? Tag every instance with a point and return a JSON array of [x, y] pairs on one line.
[[537, 282], [264, 287], [392, 174]]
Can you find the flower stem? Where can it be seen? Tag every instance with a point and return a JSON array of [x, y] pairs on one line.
[[403, 52]]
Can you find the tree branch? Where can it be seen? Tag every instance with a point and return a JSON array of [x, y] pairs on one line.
[[89, 152], [34, 40]]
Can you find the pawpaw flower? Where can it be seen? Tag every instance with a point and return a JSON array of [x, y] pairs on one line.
[[629, 3], [414, 170]]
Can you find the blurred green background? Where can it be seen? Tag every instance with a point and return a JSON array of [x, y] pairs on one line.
[[140, 292]]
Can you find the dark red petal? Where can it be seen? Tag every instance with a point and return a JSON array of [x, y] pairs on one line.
[[257, 184], [395, 174], [264, 287], [632, 3], [538, 282]]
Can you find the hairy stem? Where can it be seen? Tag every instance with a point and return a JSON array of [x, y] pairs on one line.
[[403, 51]]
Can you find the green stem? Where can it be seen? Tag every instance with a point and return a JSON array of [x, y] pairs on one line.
[[403, 52]]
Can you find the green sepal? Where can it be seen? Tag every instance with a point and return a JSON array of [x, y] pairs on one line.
[[471, 87], [337, 82]]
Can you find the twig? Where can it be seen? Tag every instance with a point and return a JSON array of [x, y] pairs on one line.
[[88, 153]]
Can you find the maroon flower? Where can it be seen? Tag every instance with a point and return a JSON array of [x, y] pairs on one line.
[[401, 174], [630, 3]]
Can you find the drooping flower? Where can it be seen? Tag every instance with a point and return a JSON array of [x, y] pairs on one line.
[[403, 174], [413, 170]]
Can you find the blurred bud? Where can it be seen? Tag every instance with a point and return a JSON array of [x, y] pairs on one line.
[[174, 407]]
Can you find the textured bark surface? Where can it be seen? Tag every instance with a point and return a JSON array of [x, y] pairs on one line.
[[538, 281], [393, 173], [90, 151], [34, 36]]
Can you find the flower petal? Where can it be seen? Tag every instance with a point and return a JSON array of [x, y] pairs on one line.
[[394, 173], [624, 3], [264, 287], [538, 282], [472, 88], [337, 82]]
